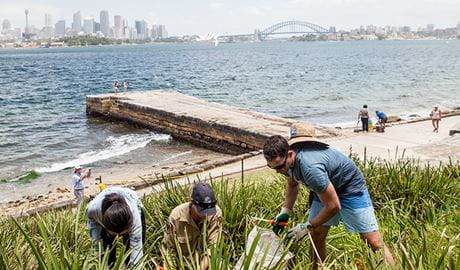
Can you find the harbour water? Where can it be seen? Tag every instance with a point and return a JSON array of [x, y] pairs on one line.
[[44, 127]]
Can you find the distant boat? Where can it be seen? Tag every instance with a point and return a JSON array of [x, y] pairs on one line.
[[216, 42]]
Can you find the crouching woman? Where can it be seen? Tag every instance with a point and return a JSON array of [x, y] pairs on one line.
[[117, 212]]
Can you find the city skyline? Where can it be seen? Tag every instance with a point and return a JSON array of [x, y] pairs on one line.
[[223, 17]]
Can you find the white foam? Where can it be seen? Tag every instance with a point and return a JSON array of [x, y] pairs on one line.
[[116, 146]]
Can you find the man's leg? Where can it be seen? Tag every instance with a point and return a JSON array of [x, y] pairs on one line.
[[374, 241], [318, 235]]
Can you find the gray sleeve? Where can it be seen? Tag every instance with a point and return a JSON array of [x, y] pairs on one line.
[[93, 226], [135, 241]]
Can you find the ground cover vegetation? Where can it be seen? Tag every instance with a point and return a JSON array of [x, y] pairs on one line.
[[417, 208]]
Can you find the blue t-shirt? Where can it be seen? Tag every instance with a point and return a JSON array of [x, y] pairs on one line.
[[317, 167], [381, 115]]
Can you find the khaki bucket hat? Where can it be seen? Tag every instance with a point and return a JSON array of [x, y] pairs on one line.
[[304, 133]]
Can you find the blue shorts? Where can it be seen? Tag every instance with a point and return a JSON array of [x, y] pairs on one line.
[[356, 213]]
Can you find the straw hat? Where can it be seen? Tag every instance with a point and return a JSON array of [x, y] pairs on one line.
[[303, 133]]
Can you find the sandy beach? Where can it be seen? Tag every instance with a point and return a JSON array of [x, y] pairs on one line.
[[413, 140]]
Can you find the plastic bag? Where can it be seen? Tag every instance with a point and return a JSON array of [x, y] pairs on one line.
[[268, 251]]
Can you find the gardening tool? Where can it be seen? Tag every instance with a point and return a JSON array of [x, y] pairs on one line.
[[269, 221], [101, 185]]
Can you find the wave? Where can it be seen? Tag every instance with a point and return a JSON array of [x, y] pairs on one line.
[[116, 146]]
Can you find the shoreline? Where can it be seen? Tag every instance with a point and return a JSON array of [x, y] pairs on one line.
[[424, 146]]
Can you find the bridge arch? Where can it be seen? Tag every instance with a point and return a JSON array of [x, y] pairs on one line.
[[293, 27]]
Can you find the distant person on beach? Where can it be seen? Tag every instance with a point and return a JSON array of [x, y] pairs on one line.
[[436, 116], [115, 87], [117, 212], [337, 185], [78, 186], [188, 220], [125, 87], [364, 117], [382, 117]]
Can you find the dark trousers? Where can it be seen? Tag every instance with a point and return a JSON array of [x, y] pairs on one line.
[[108, 239], [365, 122]]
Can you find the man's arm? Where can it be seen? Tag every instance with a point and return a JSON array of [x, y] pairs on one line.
[[331, 207], [168, 239], [215, 228], [292, 190]]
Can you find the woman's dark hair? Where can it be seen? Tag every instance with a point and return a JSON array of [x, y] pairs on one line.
[[364, 106], [275, 146], [116, 215]]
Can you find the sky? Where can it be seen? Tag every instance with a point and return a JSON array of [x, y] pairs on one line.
[[186, 17]]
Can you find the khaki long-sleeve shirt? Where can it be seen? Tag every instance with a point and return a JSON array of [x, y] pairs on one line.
[[181, 225]]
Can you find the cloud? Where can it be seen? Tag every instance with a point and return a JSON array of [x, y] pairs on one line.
[[216, 5]]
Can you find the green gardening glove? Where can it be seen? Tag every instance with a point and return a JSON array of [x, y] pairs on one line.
[[283, 216]]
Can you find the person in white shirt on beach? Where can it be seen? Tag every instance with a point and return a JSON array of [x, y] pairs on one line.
[[78, 186], [436, 116]]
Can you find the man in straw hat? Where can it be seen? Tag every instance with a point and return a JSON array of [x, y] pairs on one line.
[[339, 190]]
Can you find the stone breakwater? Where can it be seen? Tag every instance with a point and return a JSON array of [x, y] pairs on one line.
[[218, 127]]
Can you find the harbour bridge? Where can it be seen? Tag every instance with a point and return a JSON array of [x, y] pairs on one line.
[[282, 28]]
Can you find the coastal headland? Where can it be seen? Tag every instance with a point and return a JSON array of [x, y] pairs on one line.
[[236, 135]]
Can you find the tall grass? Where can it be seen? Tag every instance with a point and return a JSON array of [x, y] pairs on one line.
[[417, 208]]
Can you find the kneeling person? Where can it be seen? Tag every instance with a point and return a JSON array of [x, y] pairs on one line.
[[187, 222], [117, 212]]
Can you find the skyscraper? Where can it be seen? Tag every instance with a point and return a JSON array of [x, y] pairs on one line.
[[105, 23], [60, 28], [118, 26], [141, 29], [162, 33], [6, 25], [88, 25], [76, 24], [48, 20]]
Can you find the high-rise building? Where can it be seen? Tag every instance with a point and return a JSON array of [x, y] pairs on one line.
[[48, 22], [6, 25], [141, 29], [105, 23], [162, 33], [118, 26], [76, 24], [332, 29], [88, 25], [59, 28], [430, 28], [97, 27]]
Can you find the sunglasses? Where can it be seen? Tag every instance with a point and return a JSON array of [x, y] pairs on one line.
[[205, 205], [279, 167]]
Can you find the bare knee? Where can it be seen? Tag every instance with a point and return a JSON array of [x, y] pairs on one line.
[[373, 240]]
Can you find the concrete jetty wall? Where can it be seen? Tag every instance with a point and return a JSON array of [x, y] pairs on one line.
[[211, 125]]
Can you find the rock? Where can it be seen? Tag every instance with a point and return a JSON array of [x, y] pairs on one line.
[[40, 197], [338, 127], [393, 118], [414, 116]]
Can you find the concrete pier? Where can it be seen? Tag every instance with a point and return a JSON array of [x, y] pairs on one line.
[[206, 124]]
